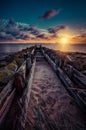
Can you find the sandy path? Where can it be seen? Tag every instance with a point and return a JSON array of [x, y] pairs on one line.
[[48, 92]]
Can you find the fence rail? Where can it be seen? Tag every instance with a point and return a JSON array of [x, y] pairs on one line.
[[69, 76]]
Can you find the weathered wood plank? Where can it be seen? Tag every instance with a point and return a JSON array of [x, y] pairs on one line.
[[25, 101], [6, 106], [8, 92], [7, 89]]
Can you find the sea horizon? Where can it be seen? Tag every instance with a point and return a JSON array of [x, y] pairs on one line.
[[7, 47]]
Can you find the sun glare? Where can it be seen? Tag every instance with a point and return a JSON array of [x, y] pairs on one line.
[[64, 40], [64, 43]]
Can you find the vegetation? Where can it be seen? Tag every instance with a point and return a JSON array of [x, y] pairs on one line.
[[5, 76], [10, 64]]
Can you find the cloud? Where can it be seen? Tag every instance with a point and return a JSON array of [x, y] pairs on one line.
[[79, 38], [83, 35], [6, 37], [23, 37], [54, 30], [11, 30], [14, 31], [35, 32], [49, 14], [12, 22], [43, 36]]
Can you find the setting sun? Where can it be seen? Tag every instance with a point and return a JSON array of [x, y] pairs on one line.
[[64, 40], [64, 43]]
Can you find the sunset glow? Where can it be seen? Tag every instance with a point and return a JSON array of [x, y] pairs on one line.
[[50, 24], [64, 40]]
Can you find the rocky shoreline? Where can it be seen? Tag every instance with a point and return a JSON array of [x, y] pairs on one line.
[[9, 64], [78, 61]]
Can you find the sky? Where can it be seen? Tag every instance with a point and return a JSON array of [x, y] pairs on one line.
[[43, 21]]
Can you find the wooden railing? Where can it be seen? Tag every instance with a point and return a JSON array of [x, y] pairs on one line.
[[75, 75], [7, 95], [21, 120], [70, 86], [8, 92]]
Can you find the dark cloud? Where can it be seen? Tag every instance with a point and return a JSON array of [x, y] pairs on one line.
[[62, 27], [42, 36], [23, 37], [22, 27], [33, 30], [5, 37], [54, 30], [49, 14], [12, 22], [13, 32]]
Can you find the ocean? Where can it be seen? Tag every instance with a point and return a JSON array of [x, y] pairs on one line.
[[68, 47]]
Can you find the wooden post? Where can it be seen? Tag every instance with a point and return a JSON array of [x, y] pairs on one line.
[[25, 100]]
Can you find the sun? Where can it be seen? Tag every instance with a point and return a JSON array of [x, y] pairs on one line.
[[64, 43], [64, 40]]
